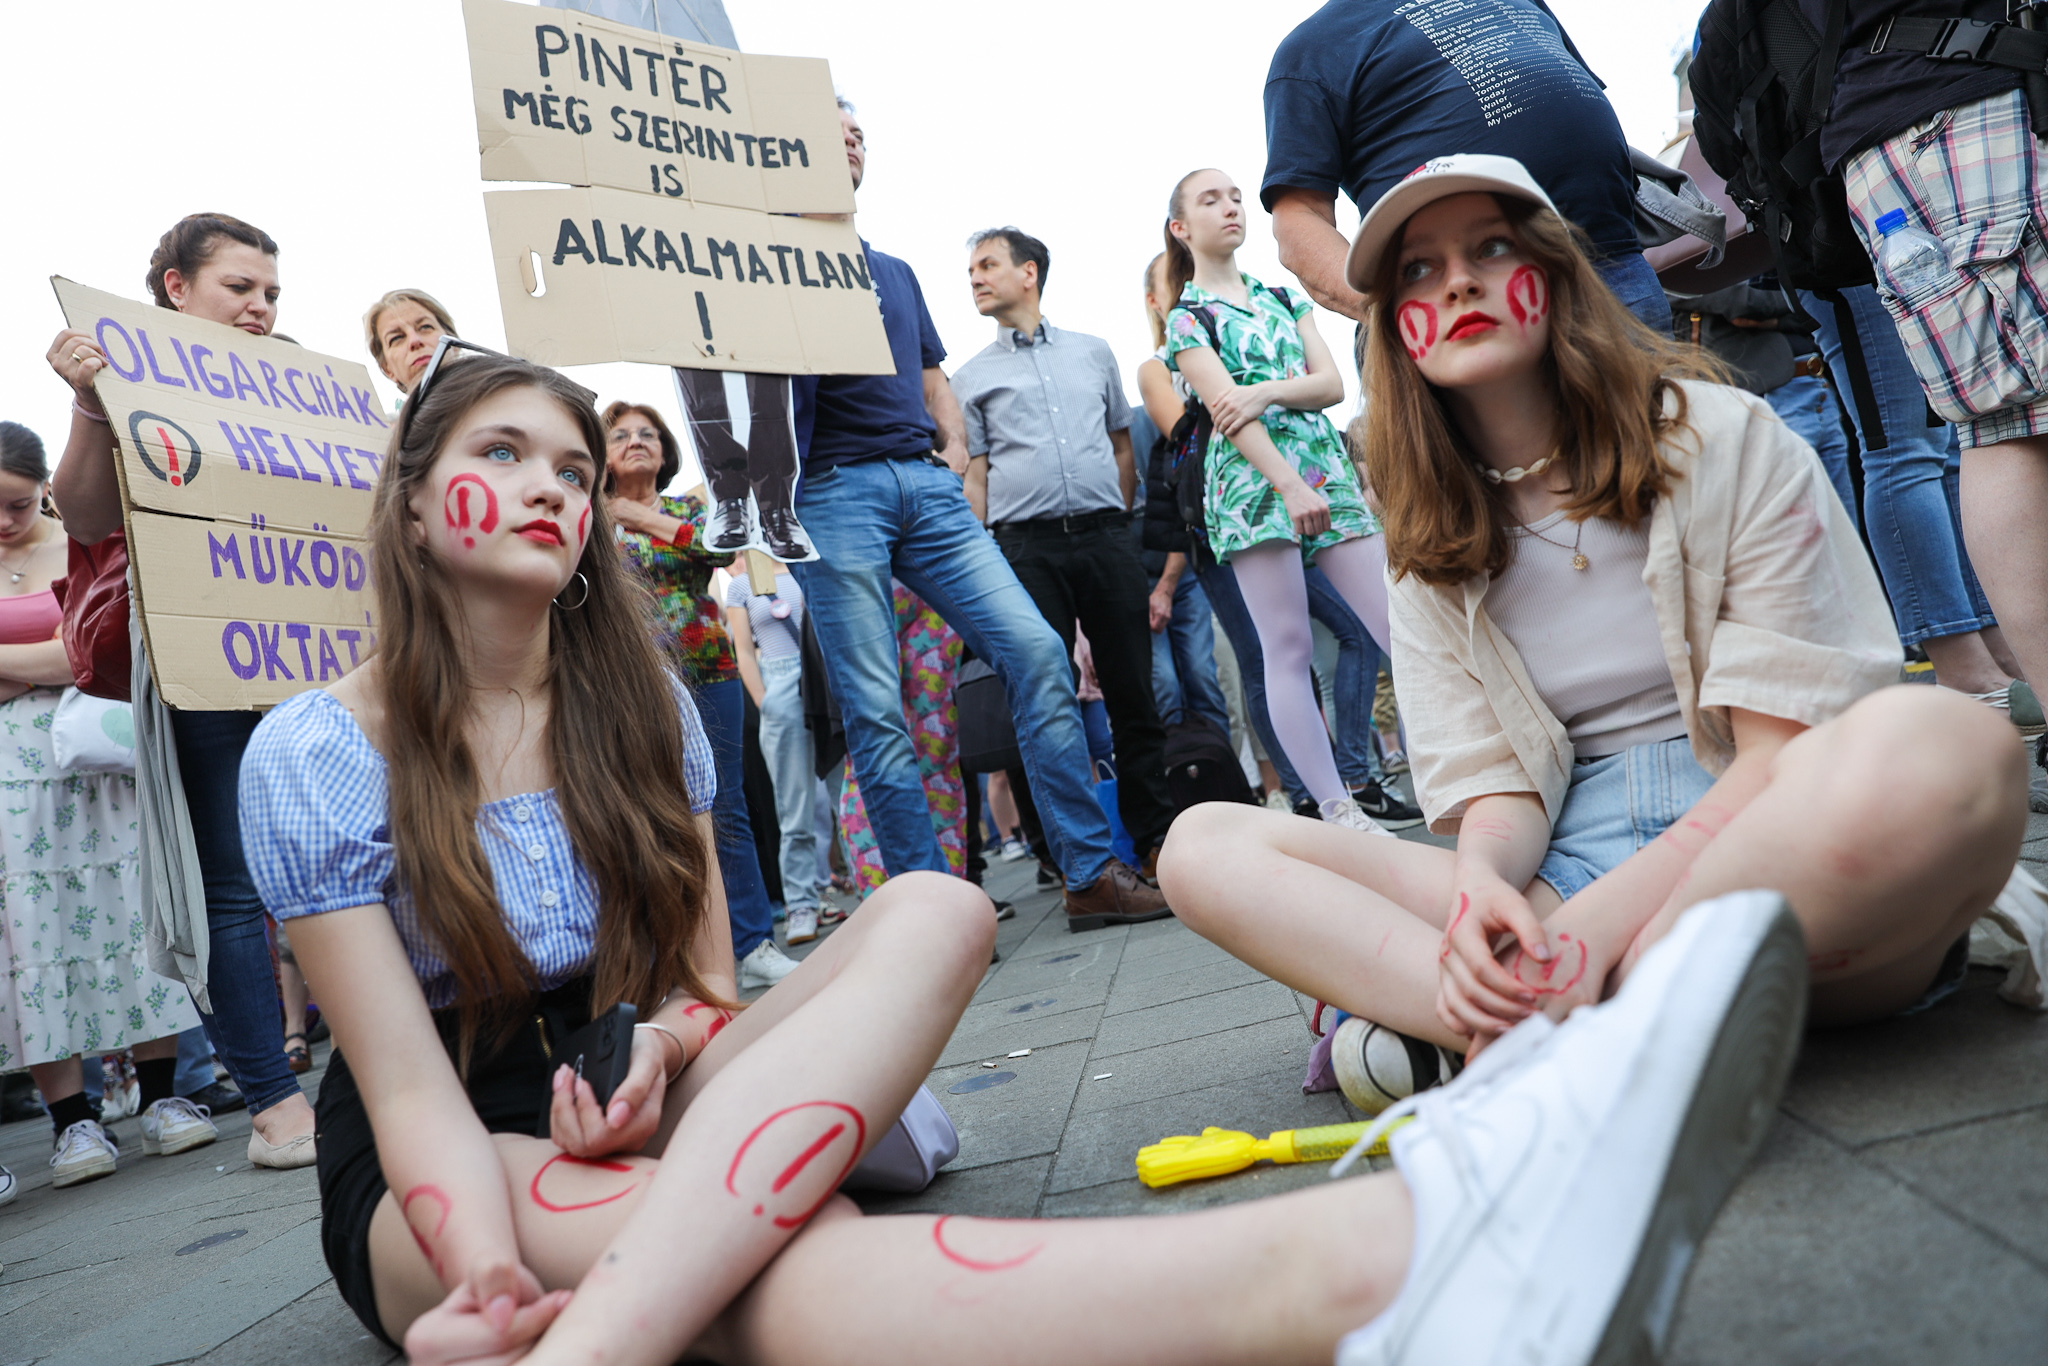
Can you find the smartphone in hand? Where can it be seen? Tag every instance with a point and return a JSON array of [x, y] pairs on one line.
[[601, 1053]]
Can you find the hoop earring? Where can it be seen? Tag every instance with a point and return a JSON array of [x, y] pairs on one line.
[[572, 606]]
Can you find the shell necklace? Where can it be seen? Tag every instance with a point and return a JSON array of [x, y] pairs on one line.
[[1515, 475]]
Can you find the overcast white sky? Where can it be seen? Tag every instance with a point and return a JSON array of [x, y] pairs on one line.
[[346, 132]]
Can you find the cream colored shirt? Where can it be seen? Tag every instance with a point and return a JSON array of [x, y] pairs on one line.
[[1764, 596]]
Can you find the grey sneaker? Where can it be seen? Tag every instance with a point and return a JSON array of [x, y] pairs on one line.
[[765, 966], [2037, 778], [84, 1153], [803, 925], [175, 1125], [9, 1187]]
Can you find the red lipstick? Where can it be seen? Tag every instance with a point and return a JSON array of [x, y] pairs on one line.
[[542, 531], [1471, 325]]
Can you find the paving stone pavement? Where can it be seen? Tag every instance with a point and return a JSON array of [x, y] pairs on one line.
[[1899, 1212]]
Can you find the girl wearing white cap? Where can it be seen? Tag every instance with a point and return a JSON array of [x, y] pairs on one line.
[[1643, 660], [1279, 490]]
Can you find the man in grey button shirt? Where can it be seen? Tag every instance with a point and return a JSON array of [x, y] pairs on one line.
[[1050, 469]]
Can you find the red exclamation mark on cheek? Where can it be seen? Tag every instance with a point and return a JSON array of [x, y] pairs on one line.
[[171, 453]]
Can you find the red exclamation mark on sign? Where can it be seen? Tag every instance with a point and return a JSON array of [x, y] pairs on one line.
[[171, 452]]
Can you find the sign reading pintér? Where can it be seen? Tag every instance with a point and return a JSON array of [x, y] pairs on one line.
[[628, 277], [568, 97], [247, 466]]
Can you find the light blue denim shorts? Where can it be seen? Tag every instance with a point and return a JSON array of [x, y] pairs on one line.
[[1615, 806], [1619, 803]]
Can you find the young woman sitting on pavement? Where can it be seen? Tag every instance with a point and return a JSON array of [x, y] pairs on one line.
[[491, 830], [1643, 661]]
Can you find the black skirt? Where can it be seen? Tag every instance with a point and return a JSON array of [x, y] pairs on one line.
[[509, 1090]]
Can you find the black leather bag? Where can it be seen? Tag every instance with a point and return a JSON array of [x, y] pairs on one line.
[[988, 737]]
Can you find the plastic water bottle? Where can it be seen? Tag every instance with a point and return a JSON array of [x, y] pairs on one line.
[[1912, 258]]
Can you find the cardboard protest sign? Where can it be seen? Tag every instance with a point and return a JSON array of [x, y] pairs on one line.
[[744, 430], [246, 467], [580, 100], [587, 276]]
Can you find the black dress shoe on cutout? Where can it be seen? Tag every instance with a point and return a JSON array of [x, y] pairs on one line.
[[787, 541], [731, 529]]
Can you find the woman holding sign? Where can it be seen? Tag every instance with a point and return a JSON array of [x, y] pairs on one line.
[[224, 270]]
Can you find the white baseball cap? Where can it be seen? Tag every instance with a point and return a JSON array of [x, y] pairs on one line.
[[1435, 179]]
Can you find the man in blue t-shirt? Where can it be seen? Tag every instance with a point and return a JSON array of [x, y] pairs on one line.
[[1364, 91], [882, 497]]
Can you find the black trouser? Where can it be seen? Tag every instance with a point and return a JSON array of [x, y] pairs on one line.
[[1092, 575], [767, 462]]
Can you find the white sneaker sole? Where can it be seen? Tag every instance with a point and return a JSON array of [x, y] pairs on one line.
[[194, 1137], [79, 1172], [1734, 1103]]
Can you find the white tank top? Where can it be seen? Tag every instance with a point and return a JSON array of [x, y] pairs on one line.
[[1589, 637]]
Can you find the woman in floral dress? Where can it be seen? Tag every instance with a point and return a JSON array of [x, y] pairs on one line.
[[70, 915], [1279, 490], [660, 537]]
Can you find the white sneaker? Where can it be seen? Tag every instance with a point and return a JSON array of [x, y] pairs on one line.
[[1564, 1181], [84, 1152], [803, 925], [765, 966], [1377, 1066], [2013, 935], [1276, 800], [1348, 813], [175, 1125], [1014, 849], [9, 1187]]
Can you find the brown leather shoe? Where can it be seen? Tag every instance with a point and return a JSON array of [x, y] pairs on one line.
[[1118, 897]]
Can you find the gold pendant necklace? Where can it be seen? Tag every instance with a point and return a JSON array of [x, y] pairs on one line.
[[1579, 560]]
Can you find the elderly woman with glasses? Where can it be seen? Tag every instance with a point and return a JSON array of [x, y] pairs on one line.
[[661, 535]]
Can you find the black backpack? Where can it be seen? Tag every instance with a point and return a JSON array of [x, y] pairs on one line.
[[1762, 81], [1187, 445], [1201, 766]]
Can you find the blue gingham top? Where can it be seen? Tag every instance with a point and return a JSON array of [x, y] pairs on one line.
[[316, 827]]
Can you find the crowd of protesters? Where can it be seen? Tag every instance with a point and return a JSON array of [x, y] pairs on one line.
[[1623, 583]]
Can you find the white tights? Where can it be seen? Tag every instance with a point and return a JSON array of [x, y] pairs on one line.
[[1270, 577]]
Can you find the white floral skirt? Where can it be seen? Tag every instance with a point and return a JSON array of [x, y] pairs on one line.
[[70, 905]]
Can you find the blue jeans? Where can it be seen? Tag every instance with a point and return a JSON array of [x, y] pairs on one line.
[[1636, 285], [246, 1027], [1808, 407], [1358, 671], [786, 749], [723, 707], [1910, 482], [1184, 659], [910, 519]]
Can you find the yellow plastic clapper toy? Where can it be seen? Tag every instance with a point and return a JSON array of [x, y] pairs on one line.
[[1219, 1152]]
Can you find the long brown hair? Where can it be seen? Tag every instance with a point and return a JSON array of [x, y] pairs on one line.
[[1612, 378], [614, 741]]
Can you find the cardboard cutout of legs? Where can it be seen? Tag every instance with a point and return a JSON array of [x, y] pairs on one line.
[[749, 460]]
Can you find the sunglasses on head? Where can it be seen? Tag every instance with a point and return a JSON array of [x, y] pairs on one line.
[[417, 399]]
